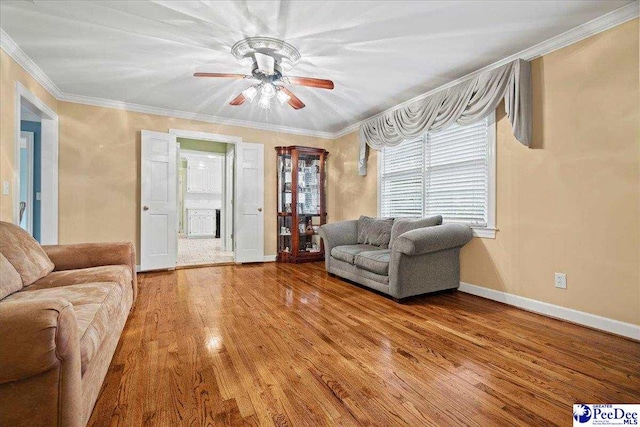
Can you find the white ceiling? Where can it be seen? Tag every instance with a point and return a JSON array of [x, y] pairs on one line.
[[378, 53]]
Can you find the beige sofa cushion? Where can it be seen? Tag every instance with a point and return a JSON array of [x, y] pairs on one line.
[[24, 253], [105, 273], [10, 280], [94, 304]]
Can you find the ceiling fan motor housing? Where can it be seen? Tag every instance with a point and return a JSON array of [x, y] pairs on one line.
[[264, 77]]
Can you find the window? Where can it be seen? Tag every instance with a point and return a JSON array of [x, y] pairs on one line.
[[449, 173]]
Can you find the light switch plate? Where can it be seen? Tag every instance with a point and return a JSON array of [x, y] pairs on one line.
[[561, 280], [5, 188]]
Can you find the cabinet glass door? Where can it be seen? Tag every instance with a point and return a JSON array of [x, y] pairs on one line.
[[285, 203], [308, 202]]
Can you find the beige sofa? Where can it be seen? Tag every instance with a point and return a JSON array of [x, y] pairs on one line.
[[62, 311]]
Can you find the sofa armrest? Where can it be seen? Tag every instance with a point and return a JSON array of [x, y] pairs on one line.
[[86, 255], [338, 234], [39, 362], [432, 239]]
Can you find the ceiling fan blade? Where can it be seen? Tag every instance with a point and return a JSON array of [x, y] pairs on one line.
[[310, 82], [238, 100], [294, 101], [226, 75], [265, 63]]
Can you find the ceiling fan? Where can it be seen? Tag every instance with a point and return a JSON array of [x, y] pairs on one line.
[[268, 56]]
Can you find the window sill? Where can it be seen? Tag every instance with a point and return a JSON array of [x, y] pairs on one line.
[[484, 233]]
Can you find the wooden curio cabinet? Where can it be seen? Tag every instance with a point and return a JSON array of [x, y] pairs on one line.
[[302, 205]]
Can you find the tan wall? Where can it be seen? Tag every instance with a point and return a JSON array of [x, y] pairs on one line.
[[100, 167], [10, 73], [355, 195], [571, 203]]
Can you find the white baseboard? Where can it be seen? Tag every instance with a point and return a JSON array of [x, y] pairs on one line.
[[580, 317]]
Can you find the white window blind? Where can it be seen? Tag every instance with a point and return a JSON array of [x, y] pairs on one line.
[[402, 185], [445, 173]]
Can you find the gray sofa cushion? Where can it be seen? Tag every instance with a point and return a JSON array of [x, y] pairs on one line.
[[347, 253], [374, 261], [374, 231], [402, 225]]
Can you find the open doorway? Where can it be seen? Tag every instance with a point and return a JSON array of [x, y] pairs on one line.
[[205, 202], [35, 193], [243, 189]]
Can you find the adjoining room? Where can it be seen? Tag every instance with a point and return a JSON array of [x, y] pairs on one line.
[[205, 202]]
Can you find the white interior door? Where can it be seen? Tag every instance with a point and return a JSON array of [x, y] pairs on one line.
[[158, 204], [249, 203]]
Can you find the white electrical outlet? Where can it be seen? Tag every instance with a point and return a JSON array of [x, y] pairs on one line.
[[561, 280]]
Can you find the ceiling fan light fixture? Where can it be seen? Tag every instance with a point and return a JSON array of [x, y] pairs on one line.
[[283, 97], [250, 93], [268, 90], [265, 102]]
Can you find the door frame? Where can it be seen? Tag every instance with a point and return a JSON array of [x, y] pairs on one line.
[[229, 185], [215, 137], [48, 165], [29, 137]]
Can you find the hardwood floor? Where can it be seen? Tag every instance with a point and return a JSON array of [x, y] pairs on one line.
[[280, 344]]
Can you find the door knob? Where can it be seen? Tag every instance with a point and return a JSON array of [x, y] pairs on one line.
[[145, 208], [259, 209]]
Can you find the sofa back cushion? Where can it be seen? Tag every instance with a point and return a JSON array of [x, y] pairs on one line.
[[24, 253], [10, 280], [374, 231], [402, 225]]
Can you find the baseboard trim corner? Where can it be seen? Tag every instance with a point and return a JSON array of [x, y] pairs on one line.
[[270, 258], [551, 310]]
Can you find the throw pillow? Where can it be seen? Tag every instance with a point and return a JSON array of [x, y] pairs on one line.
[[374, 231], [402, 225], [24, 253]]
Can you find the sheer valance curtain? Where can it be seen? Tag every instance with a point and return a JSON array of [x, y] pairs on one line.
[[465, 103]]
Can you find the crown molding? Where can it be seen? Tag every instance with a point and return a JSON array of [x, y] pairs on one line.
[[13, 50], [588, 29], [602, 23], [158, 111]]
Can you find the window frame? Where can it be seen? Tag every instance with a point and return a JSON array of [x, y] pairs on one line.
[[488, 231]]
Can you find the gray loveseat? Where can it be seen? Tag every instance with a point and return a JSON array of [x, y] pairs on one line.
[[399, 257]]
